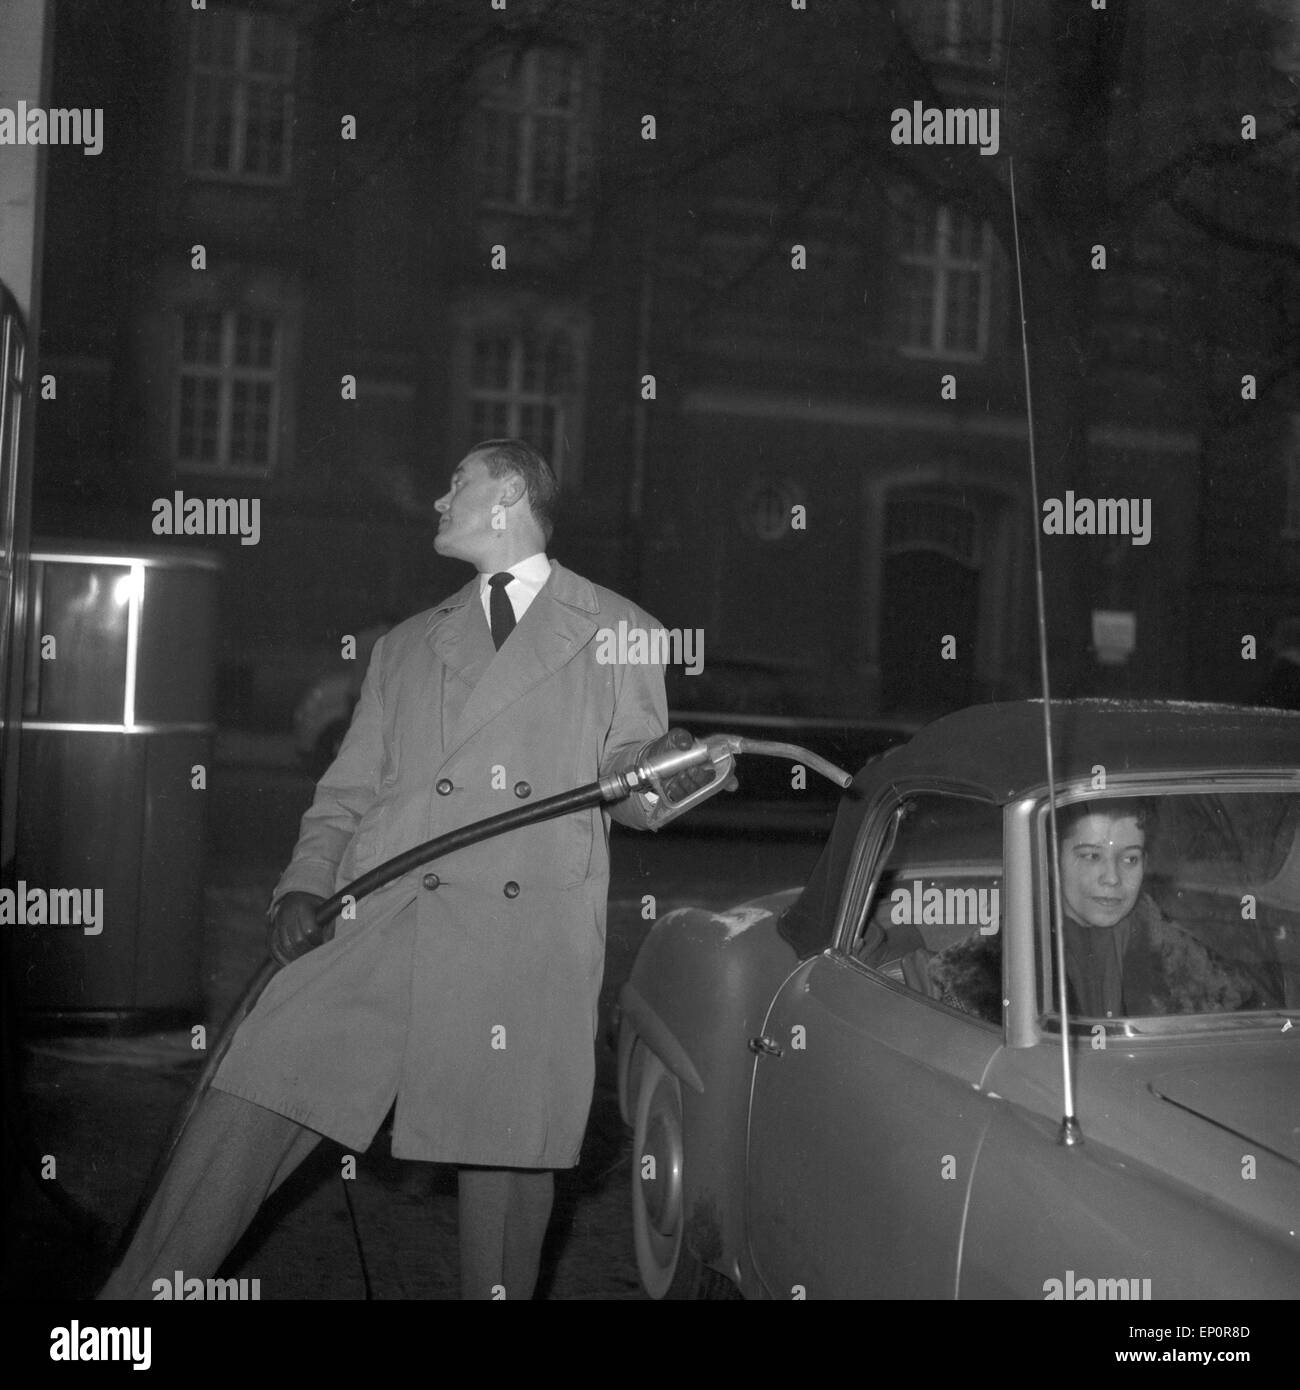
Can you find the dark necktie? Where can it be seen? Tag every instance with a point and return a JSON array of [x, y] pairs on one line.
[[503, 615]]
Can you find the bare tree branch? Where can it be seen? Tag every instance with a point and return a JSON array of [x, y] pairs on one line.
[[1206, 222], [1202, 157]]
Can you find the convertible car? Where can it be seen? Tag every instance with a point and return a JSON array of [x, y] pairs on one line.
[[857, 1089]]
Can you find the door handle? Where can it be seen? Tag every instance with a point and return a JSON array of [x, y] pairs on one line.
[[768, 1046]]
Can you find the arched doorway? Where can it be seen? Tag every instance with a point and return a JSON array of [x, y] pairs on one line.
[[930, 592]]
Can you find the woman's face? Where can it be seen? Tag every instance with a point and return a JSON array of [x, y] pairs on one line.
[[1102, 863]]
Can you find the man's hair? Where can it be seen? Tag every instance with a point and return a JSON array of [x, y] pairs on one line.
[[504, 456], [1139, 808]]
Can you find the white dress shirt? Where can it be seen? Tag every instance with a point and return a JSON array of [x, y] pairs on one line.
[[529, 573]]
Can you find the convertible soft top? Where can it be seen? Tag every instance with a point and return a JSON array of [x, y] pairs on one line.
[[996, 751], [999, 748]]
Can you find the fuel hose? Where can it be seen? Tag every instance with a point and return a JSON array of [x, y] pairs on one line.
[[563, 803], [649, 773], [614, 787]]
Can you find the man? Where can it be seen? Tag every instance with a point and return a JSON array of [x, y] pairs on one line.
[[1122, 955], [466, 992]]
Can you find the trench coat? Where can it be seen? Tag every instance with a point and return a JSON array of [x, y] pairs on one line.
[[467, 990]]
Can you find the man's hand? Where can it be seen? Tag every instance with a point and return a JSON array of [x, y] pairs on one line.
[[691, 779], [295, 931]]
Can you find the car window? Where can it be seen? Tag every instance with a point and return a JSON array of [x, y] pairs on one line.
[[1202, 917], [933, 923]]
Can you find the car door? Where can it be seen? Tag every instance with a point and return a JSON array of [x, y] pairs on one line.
[[866, 1114]]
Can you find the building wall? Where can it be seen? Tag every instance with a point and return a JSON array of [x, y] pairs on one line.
[[774, 387]]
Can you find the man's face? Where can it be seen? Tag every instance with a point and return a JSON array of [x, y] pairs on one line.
[[1103, 860], [465, 530]]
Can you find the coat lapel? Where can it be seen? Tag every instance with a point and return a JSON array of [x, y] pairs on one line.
[[462, 642], [559, 622]]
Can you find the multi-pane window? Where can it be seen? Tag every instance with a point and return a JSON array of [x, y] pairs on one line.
[[970, 32], [241, 95], [522, 386], [944, 282], [228, 391], [528, 131]]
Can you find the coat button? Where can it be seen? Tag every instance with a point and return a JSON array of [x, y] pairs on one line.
[[522, 789], [431, 881], [443, 786], [512, 889]]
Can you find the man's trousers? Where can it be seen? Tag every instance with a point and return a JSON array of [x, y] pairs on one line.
[[232, 1156]]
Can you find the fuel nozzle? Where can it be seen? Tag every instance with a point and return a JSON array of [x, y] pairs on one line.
[[660, 768], [651, 773]]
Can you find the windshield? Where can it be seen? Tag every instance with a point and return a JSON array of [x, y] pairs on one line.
[[1178, 903]]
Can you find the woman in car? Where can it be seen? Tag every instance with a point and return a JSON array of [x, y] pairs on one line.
[[1123, 956]]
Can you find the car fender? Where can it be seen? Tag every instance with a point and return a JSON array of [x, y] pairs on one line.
[[699, 990]]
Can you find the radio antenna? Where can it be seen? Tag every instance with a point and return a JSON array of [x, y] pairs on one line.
[[1069, 1133]]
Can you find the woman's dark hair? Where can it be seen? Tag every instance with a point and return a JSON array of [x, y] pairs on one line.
[[1139, 808]]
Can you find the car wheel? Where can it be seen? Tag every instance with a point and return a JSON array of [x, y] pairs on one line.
[[631, 1064], [667, 1267]]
